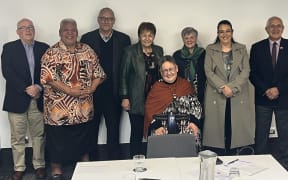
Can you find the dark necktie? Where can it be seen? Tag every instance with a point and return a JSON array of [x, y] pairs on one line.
[[274, 54]]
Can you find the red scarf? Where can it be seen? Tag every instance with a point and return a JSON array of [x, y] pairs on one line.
[[161, 95]]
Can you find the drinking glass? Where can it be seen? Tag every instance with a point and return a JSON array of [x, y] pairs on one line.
[[139, 163]]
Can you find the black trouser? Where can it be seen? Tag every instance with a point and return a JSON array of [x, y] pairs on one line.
[[228, 130], [263, 123], [137, 125], [107, 105]]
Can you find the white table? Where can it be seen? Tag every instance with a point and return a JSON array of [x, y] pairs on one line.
[[174, 169]]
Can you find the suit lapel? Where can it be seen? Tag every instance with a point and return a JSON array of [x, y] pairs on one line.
[[23, 61], [97, 43], [218, 59], [281, 54], [237, 57], [282, 57], [115, 52], [220, 63]]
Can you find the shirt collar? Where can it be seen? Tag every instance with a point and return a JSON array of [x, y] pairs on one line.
[[28, 45], [271, 42], [106, 38]]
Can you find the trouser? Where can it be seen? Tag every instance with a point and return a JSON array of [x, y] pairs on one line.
[[107, 105], [137, 125], [263, 123], [228, 129], [19, 124]]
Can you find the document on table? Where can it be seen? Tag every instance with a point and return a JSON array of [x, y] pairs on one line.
[[245, 167]]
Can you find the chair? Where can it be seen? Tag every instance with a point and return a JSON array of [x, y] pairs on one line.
[[171, 145]]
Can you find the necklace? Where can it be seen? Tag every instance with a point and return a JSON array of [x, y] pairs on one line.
[[172, 88]]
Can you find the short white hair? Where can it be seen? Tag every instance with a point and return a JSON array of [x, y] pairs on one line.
[[272, 18]]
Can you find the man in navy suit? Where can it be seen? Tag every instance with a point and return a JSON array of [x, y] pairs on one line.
[[269, 75], [108, 45], [23, 98]]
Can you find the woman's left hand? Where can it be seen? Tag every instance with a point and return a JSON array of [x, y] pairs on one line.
[[227, 91], [160, 131], [194, 128]]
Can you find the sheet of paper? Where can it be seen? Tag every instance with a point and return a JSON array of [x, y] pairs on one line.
[[246, 168]]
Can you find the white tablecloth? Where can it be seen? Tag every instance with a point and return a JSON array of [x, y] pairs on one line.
[[177, 169]]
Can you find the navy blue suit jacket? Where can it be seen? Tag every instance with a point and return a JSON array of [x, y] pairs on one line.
[[263, 76], [120, 41], [15, 69]]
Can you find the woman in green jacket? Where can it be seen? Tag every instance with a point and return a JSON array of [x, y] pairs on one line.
[[138, 72]]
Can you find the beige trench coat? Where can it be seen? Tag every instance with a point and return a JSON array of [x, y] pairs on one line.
[[242, 120]]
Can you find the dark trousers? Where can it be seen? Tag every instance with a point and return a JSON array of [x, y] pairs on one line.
[[228, 129], [263, 123], [136, 136], [108, 106]]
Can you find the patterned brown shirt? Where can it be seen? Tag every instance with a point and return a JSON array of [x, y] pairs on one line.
[[76, 69]]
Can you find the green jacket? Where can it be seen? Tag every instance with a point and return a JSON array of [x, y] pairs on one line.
[[133, 78]]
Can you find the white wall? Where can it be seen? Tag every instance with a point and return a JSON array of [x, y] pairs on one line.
[[170, 16]]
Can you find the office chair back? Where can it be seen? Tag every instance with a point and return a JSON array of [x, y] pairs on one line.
[[171, 145]]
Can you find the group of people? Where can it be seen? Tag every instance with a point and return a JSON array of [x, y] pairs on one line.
[[104, 74]]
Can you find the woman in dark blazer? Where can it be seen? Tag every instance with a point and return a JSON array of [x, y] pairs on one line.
[[139, 71]]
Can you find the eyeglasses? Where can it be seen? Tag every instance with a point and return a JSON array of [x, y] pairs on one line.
[[224, 32], [26, 28], [278, 26], [106, 19], [167, 71]]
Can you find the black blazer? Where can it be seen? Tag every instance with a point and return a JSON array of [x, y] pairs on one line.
[[263, 76], [120, 41], [15, 69]]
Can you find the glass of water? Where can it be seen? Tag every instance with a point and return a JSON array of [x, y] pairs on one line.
[[139, 161]]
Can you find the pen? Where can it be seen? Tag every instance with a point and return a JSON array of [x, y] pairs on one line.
[[232, 161]]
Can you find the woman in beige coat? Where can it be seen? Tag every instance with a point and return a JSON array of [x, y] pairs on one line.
[[229, 120]]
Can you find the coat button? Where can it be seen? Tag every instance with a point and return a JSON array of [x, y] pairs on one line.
[[241, 102], [214, 102]]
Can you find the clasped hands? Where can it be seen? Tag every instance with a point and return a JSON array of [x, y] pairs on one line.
[[80, 92], [162, 131], [227, 91], [33, 91], [272, 93]]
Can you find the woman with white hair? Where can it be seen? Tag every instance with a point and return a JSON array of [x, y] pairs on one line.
[[190, 61]]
